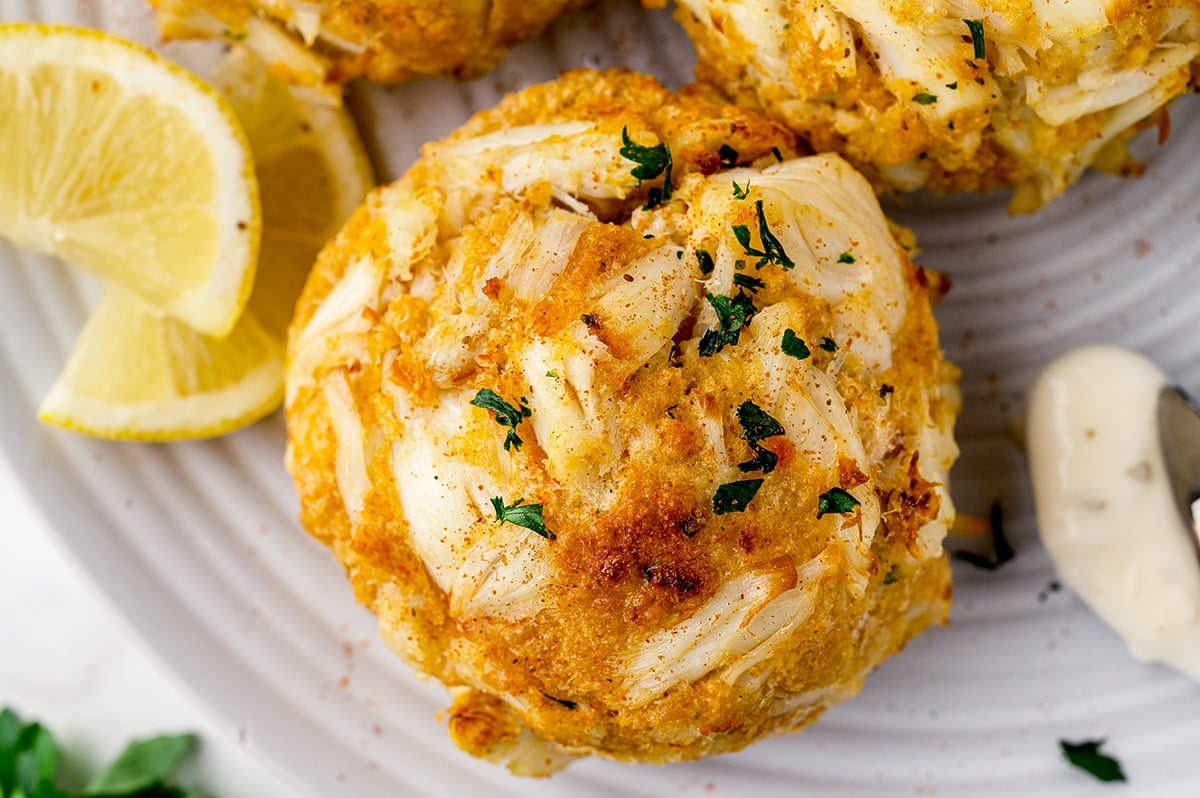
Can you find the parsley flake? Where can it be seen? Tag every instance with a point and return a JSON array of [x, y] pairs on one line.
[[651, 162], [748, 281], [526, 515], [741, 192], [734, 497], [772, 250], [705, 259], [757, 426], [828, 345], [778, 155], [892, 576], [846, 257], [952, 86], [977, 40], [925, 98], [835, 500], [506, 415], [728, 155], [1087, 756], [733, 313], [794, 345]]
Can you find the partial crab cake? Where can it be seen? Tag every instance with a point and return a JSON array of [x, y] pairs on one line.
[[631, 425], [321, 43], [955, 95]]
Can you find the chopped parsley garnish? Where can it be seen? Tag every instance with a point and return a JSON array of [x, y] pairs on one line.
[[733, 313], [741, 192], [1087, 756], [757, 426], [506, 414], [846, 257], [705, 258], [892, 576], [748, 281], [1003, 549], [729, 156], [734, 497], [976, 28], [794, 345], [952, 86], [772, 250], [886, 390], [526, 515], [651, 162], [778, 155], [30, 759], [925, 98], [835, 500], [828, 345]]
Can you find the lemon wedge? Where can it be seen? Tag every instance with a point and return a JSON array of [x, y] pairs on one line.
[[312, 174], [138, 375], [122, 163]]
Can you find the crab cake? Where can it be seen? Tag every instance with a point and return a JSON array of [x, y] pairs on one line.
[[630, 425], [954, 95], [319, 42]]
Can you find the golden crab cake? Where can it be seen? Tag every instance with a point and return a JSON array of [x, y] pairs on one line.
[[952, 96], [319, 42], [630, 425]]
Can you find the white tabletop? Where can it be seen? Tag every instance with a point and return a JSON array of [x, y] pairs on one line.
[[69, 661]]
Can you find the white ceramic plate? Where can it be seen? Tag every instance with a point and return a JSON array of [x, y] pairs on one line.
[[198, 546]]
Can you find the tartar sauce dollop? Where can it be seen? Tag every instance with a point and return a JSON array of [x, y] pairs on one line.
[[1104, 505]]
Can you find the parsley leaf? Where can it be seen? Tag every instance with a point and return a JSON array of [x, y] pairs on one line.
[[733, 313], [734, 497], [506, 415], [980, 44], [29, 758], [828, 344], [705, 259], [772, 251], [741, 192], [794, 345], [526, 515], [1087, 756], [846, 257], [835, 500], [1003, 549], [141, 765], [757, 426], [925, 98], [728, 155], [651, 162], [749, 282], [952, 86]]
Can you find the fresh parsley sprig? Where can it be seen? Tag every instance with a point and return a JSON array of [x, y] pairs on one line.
[[506, 415], [735, 497], [835, 500], [977, 38], [733, 314], [651, 162], [1087, 756], [772, 250], [524, 515], [757, 426], [29, 760]]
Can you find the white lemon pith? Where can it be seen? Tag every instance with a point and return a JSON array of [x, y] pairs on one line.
[[137, 373], [126, 165]]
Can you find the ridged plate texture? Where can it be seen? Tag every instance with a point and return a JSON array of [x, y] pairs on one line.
[[197, 544]]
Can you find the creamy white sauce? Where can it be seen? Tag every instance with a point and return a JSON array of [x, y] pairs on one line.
[[1104, 506]]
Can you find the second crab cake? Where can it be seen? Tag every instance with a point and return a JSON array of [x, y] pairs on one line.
[[969, 95], [631, 426], [319, 42]]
